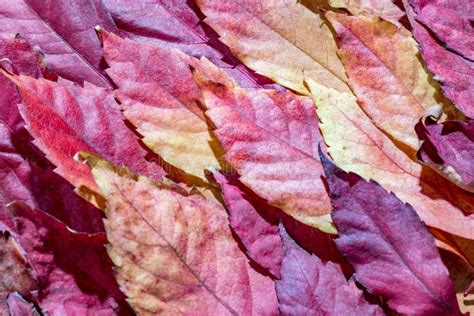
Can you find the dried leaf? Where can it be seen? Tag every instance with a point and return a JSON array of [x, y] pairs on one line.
[[59, 116], [385, 9], [309, 287], [280, 39], [159, 96], [73, 270], [256, 228], [270, 137], [175, 253], [454, 72], [356, 145], [392, 85], [387, 243], [449, 148]]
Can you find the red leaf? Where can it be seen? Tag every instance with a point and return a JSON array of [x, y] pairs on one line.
[[65, 118], [174, 24], [65, 32], [450, 21], [454, 72], [17, 305], [256, 228], [271, 138], [73, 269], [388, 244], [449, 148], [309, 287]]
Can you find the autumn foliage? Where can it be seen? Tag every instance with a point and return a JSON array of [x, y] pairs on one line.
[[236, 157]]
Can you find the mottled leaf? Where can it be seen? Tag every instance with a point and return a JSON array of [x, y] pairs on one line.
[[385, 9], [392, 85], [175, 253], [256, 228], [159, 96], [450, 21], [454, 72], [280, 39], [356, 145], [309, 287], [387, 244], [270, 137], [64, 30], [65, 118], [449, 148], [73, 270]]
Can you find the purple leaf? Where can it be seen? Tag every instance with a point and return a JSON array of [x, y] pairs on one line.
[[309, 287], [392, 253]]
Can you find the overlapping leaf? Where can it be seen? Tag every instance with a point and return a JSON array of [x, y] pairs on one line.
[[452, 70], [17, 305], [392, 85], [176, 253], [309, 287], [449, 148], [271, 139], [73, 270], [281, 39], [59, 116], [387, 243], [159, 96], [256, 228], [385, 9], [356, 145]]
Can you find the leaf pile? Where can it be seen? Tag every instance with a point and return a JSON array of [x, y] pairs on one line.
[[236, 157]]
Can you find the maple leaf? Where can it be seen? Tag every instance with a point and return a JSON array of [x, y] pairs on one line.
[[387, 244], [17, 305], [453, 71], [392, 85], [356, 145], [309, 287], [385, 9], [256, 228], [449, 148], [59, 117], [159, 96], [74, 273], [278, 40], [270, 137], [174, 252]]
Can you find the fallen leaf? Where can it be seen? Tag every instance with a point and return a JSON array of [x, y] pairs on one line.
[[270, 137], [159, 96], [454, 72], [15, 275], [356, 145], [59, 117], [281, 39], [387, 243], [392, 85], [175, 253], [309, 287], [450, 21], [74, 273], [256, 228], [64, 30], [385, 9], [17, 305], [449, 148], [176, 25]]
